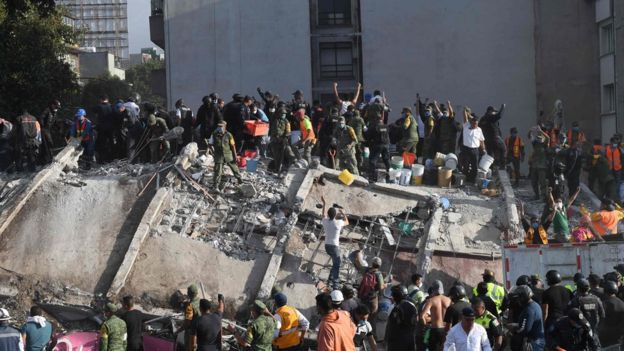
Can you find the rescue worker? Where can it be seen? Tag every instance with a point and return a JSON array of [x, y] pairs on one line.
[[47, 121], [10, 338], [538, 165], [280, 143], [224, 153], [308, 137], [575, 279], [602, 179], [515, 153], [575, 135], [6, 144], [613, 153], [489, 123], [494, 290], [27, 141], [573, 332], [490, 305], [260, 333], [291, 325], [457, 293], [488, 321], [589, 304], [446, 128], [156, 129], [378, 137], [409, 141], [554, 300], [401, 322], [473, 144], [530, 326], [560, 223], [326, 130], [346, 142], [82, 129], [414, 290], [191, 311], [533, 226], [113, 333], [574, 161], [611, 331], [364, 332], [359, 127], [605, 221], [298, 102], [208, 115]]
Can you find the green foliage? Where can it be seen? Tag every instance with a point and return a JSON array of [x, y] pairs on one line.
[[140, 78], [33, 41], [111, 86]]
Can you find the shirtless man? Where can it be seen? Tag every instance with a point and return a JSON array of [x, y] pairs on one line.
[[433, 315]]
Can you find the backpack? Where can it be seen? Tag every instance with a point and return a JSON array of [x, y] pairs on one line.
[[368, 285], [28, 131]]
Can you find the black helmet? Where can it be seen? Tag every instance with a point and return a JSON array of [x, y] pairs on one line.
[[348, 291], [457, 292], [578, 276], [582, 285], [523, 280], [523, 293], [398, 292], [612, 276], [553, 277], [610, 287]]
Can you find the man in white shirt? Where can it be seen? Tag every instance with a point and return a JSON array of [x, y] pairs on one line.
[[467, 335], [472, 142], [345, 104], [332, 228]]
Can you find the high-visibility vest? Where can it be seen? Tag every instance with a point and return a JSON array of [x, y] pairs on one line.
[[486, 319], [516, 148], [614, 157], [580, 137], [304, 130], [288, 333], [571, 288], [528, 238], [606, 221], [494, 292]]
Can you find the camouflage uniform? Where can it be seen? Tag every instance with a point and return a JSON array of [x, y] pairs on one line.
[[113, 335], [346, 142], [223, 156], [260, 333], [358, 125]]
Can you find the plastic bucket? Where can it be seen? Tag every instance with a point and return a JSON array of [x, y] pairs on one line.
[[346, 177], [396, 162], [366, 152], [408, 159], [417, 180], [252, 164], [486, 162], [438, 160], [450, 161], [394, 175], [405, 176], [295, 136], [444, 177], [430, 177], [242, 162], [418, 170]]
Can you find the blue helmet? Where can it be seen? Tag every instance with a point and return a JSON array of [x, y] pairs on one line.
[[81, 112]]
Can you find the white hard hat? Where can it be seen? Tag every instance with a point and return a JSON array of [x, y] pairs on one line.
[[376, 261], [336, 296], [4, 314]]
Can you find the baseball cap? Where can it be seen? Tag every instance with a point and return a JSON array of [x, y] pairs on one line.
[[259, 304], [280, 299], [468, 312], [376, 261], [336, 296]]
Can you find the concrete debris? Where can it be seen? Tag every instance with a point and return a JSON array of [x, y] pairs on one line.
[[248, 190], [386, 232], [453, 217]]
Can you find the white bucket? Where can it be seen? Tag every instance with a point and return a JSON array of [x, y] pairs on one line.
[[418, 170], [396, 162], [405, 177], [486, 162], [450, 161], [395, 174]]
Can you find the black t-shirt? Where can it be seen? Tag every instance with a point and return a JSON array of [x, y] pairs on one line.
[[454, 312], [557, 298], [207, 328], [612, 326], [401, 325], [134, 324]]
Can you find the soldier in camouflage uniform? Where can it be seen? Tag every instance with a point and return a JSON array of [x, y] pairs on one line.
[[280, 144], [191, 310], [259, 335], [359, 126], [224, 152], [113, 334], [409, 141], [346, 142]]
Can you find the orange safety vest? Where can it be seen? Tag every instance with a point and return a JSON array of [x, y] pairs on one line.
[[606, 221], [614, 157], [580, 137], [289, 331], [304, 131], [516, 148], [528, 238]]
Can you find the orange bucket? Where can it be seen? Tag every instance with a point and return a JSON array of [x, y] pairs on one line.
[[408, 159]]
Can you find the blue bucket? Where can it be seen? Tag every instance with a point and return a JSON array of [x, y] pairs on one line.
[[252, 164]]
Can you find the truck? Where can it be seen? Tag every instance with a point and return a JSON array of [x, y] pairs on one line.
[[569, 259]]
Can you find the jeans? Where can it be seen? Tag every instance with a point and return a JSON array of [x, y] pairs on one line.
[[334, 252], [538, 345]]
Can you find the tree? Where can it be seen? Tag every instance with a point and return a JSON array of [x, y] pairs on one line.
[[140, 76], [111, 86], [33, 41]]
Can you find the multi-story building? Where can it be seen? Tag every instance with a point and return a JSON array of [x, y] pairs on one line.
[[104, 24], [527, 54]]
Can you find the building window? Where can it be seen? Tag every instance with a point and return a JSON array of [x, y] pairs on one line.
[[607, 39], [334, 12], [608, 98], [336, 60]]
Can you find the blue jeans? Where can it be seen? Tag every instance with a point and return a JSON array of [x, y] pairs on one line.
[[538, 345], [334, 252]]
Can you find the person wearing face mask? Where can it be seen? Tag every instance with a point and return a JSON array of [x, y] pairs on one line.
[[82, 129], [536, 232], [270, 102], [489, 123], [346, 141], [605, 221], [602, 179], [359, 126], [208, 115], [561, 226], [515, 153], [575, 135], [409, 141], [446, 128], [224, 153], [613, 154], [538, 164], [280, 143], [46, 121], [427, 149]]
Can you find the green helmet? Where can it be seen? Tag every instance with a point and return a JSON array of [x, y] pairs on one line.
[[192, 290]]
